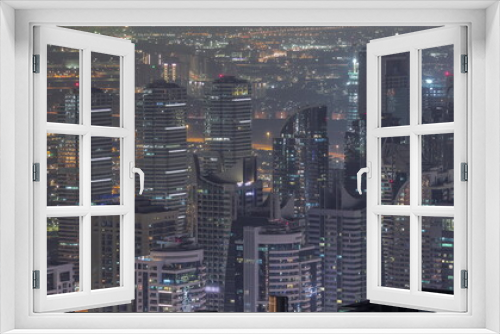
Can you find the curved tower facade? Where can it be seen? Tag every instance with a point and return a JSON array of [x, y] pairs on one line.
[[300, 160]]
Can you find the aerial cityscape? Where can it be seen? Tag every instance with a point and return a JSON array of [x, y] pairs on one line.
[[250, 139]]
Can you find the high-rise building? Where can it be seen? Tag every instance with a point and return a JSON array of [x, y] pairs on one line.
[[153, 224], [339, 232], [355, 134], [228, 119], [216, 209], [277, 262], [301, 160], [219, 199], [171, 279], [105, 152], [105, 252], [162, 146]]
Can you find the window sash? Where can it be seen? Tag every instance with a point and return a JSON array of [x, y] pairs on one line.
[[86, 297], [413, 297]]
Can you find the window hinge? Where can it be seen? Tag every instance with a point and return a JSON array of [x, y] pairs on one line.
[[465, 64], [465, 279], [36, 63], [464, 168], [36, 172], [36, 279]]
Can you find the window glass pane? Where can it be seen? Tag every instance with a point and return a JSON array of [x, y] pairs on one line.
[[395, 251], [395, 89], [437, 84], [105, 170], [437, 254], [63, 82], [105, 90], [63, 255], [395, 170], [63, 170], [105, 252], [437, 170]]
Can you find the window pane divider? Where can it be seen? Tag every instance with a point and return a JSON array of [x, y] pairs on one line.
[[102, 131], [67, 129], [421, 211], [108, 210], [422, 129], [67, 211]]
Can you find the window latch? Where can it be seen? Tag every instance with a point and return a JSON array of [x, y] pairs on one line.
[[134, 170], [368, 171]]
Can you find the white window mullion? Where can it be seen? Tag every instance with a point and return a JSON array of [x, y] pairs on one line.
[[40, 156], [414, 169], [127, 119], [86, 256], [460, 156]]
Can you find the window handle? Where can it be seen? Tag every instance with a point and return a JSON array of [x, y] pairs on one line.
[[135, 170], [368, 172]]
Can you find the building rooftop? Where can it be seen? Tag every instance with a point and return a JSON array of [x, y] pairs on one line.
[[162, 84], [230, 79]]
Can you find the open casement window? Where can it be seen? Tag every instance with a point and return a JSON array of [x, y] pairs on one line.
[[416, 145], [84, 163]]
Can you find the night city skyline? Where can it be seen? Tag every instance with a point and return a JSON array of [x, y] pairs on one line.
[[250, 139]]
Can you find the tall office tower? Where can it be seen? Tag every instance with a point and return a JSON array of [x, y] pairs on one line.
[[355, 134], [219, 199], [105, 253], [395, 90], [301, 160], [228, 119], [105, 152], [234, 269], [341, 238], [216, 202], [437, 254], [171, 279], [395, 190], [153, 224], [161, 135], [277, 262]]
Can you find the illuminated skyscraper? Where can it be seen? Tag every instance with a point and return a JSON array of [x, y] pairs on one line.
[[220, 199], [301, 160], [171, 279], [228, 123], [277, 262], [162, 147]]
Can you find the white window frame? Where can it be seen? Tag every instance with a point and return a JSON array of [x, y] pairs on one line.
[[414, 43], [86, 43], [483, 20]]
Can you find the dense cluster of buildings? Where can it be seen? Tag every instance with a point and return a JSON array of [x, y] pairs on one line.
[[213, 234]]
